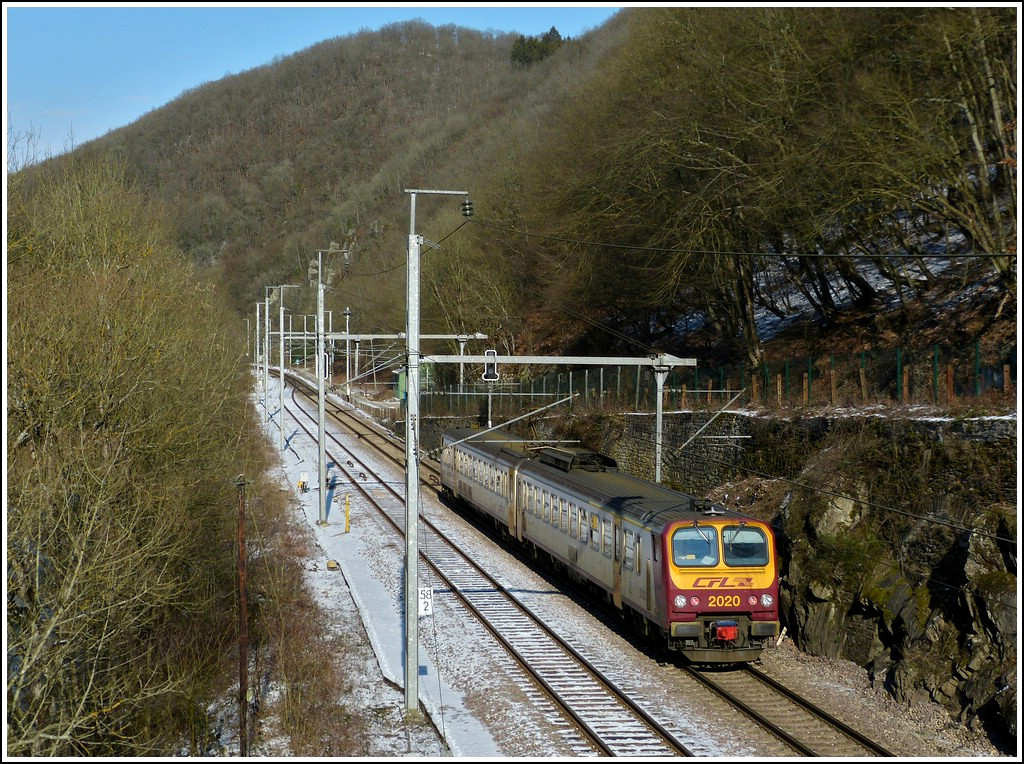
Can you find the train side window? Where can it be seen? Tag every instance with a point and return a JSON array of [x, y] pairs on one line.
[[547, 506], [629, 552], [606, 547], [583, 525], [565, 515], [639, 549], [572, 520], [595, 531]]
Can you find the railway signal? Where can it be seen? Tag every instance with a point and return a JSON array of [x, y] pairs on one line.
[[490, 366], [467, 208]]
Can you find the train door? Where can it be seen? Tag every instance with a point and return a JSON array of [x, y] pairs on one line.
[[512, 496], [516, 503], [617, 561]]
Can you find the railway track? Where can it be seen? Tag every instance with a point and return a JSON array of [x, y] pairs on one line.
[[793, 724], [611, 722], [804, 727]]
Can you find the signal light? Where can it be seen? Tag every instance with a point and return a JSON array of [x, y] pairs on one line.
[[490, 366], [467, 208]]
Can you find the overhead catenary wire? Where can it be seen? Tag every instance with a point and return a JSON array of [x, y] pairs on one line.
[[650, 349]]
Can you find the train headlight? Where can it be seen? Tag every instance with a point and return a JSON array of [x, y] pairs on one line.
[[752, 599], [767, 600], [680, 601], [695, 600]]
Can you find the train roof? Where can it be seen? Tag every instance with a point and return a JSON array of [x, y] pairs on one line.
[[595, 476]]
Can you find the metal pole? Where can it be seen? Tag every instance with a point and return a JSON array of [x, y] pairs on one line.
[[266, 352], [462, 351], [348, 370], [412, 471], [280, 345], [258, 375], [660, 373], [330, 351], [412, 475], [321, 432], [280, 356]]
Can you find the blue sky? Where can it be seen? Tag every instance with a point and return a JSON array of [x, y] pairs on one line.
[[71, 74]]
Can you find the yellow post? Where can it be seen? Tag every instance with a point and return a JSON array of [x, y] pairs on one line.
[[346, 513]]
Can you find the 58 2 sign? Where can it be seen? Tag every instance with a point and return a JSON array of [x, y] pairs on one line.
[[426, 601]]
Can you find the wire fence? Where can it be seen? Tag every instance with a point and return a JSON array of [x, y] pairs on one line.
[[940, 376]]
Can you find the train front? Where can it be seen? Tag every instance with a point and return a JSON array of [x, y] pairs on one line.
[[722, 589]]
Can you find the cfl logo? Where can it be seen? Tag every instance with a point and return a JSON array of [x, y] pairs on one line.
[[723, 582]]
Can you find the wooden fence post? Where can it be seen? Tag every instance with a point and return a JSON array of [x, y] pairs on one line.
[[778, 388], [807, 397], [906, 384]]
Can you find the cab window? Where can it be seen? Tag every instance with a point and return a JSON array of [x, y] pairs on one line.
[[744, 545], [695, 547]]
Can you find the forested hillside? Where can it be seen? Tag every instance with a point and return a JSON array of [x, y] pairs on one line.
[[704, 165], [666, 181]]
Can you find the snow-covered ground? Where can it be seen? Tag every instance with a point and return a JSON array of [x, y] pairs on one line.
[[477, 705]]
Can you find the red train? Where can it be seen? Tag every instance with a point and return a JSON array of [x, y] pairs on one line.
[[701, 577]]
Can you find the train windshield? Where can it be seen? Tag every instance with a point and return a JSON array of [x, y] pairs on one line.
[[744, 545], [695, 546]]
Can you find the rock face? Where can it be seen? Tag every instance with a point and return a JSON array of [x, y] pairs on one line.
[[897, 538]]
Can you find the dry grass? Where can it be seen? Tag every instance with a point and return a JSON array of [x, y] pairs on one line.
[[302, 677]]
